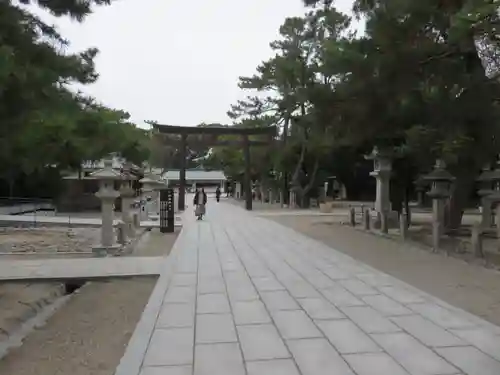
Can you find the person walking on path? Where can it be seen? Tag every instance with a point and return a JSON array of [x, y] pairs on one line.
[[217, 194], [200, 200]]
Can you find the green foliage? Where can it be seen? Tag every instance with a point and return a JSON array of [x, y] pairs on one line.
[[422, 82], [44, 122]]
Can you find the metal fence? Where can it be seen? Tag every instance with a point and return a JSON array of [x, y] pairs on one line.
[[26, 210], [19, 206]]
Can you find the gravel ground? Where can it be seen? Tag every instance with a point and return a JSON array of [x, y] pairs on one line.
[[89, 334], [468, 286], [86, 336], [19, 302], [46, 241]]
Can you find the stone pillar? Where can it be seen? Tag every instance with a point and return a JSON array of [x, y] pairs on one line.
[[366, 219], [145, 205], [238, 190], [156, 198], [127, 194], [476, 240], [403, 227], [107, 214], [438, 206], [440, 191], [420, 187], [383, 176], [107, 194], [486, 212], [176, 200], [382, 169], [182, 172], [150, 189], [292, 200], [352, 216], [486, 180]]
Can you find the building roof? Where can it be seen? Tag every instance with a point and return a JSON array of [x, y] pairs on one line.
[[195, 175], [117, 163]]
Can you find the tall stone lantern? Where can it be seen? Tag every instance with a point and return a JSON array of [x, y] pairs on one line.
[[420, 186], [147, 191], [382, 169], [494, 197], [440, 180], [127, 193], [107, 194], [485, 180]]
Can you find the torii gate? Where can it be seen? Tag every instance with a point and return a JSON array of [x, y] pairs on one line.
[[214, 132]]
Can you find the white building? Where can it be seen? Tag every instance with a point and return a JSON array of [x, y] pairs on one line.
[[196, 177]]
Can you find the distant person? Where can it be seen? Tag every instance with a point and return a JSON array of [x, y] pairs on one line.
[[217, 194], [200, 200]]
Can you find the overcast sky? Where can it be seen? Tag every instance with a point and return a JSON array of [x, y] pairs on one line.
[[178, 61]]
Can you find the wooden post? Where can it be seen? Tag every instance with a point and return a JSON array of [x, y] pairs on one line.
[[182, 174]]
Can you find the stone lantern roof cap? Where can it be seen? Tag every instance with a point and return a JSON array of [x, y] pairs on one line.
[[493, 175], [439, 175], [380, 153], [107, 173], [421, 181], [486, 175], [150, 180], [126, 175]]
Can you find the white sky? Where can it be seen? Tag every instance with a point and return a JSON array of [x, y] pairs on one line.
[[178, 61]]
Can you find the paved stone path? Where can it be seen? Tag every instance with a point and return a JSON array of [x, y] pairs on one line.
[[241, 295], [86, 268]]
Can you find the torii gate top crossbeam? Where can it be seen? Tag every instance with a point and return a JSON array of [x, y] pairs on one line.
[[215, 130]]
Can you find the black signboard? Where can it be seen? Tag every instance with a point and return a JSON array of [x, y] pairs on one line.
[[167, 216]]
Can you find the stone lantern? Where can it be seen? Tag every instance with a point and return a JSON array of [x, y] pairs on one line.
[[382, 169], [147, 191], [441, 180], [107, 194], [127, 193], [420, 187], [485, 180], [494, 197]]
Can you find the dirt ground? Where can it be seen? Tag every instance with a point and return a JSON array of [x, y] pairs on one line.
[[468, 286], [89, 334]]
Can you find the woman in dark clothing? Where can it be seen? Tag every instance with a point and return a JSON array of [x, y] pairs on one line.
[[217, 194], [200, 200]]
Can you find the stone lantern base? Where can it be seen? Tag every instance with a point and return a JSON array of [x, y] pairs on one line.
[[392, 220]]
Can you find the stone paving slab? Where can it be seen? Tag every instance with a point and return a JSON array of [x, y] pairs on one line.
[[84, 268], [243, 295]]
